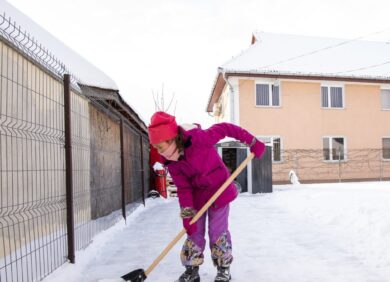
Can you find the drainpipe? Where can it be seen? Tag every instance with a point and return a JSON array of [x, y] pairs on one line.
[[235, 120], [231, 95]]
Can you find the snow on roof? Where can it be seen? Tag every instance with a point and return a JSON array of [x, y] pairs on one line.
[[304, 55], [77, 65]]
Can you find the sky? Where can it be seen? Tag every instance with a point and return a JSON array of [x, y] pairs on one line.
[[176, 46]]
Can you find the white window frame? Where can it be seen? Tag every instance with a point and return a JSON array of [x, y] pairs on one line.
[[271, 138], [329, 96], [330, 149], [387, 89], [270, 84], [383, 159]]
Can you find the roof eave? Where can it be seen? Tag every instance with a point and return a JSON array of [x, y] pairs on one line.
[[115, 99], [219, 85], [305, 76]]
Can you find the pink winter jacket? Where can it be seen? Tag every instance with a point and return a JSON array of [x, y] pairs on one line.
[[200, 172]]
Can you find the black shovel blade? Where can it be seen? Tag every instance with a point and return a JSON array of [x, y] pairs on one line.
[[135, 276]]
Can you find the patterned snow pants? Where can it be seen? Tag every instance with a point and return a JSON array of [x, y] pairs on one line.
[[219, 237]]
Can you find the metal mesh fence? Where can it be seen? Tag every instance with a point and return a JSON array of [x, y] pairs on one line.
[[33, 211], [136, 147], [310, 166], [81, 170], [145, 166]]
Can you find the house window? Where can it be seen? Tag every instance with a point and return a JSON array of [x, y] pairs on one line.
[[332, 97], [276, 144], [385, 99], [333, 148], [386, 148], [267, 95]]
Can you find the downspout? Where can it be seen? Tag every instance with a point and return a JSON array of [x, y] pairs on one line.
[[231, 95], [234, 121]]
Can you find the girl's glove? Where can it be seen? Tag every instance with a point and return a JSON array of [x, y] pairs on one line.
[[191, 229], [257, 148]]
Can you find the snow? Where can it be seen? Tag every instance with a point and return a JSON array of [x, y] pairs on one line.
[[158, 166], [87, 73], [292, 54], [307, 232]]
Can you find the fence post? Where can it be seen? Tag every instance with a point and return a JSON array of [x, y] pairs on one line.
[[381, 165], [339, 165], [68, 169], [142, 170], [123, 171]]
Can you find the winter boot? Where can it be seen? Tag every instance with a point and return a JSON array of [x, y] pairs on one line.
[[190, 275], [223, 274]]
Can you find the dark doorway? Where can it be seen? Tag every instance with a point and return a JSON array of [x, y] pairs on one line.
[[233, 157]]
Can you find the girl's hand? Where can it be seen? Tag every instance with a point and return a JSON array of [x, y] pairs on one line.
[[257, 148]]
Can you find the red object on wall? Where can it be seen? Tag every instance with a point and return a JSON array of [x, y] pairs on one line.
[[159, 177], [154, 156], [161, 182]]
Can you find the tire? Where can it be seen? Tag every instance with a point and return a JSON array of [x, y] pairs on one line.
[[153, 194]]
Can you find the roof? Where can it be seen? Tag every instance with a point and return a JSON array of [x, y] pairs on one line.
[[306, 55], [303, 57], [112, 98], [84, 71]]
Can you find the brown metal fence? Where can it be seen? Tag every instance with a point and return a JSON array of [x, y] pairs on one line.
[[310, 166], [36, 236]]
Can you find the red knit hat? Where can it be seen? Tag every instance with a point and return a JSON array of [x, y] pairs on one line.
[[162, 127]]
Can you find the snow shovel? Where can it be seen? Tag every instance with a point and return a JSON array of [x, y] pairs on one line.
[[140, 275]]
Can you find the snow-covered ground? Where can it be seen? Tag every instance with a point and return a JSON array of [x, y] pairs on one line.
[[322, 232]]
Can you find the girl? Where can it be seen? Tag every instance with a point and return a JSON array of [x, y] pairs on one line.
[[198, 172]]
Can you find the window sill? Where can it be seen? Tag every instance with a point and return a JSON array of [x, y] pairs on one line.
[[334, 161], [330, 108], [258, 106]]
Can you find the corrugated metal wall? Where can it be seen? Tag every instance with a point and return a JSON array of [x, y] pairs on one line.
[[105, 164], [262, 173]]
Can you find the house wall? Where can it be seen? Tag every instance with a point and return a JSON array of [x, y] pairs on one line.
[[301, 122], [224, 101]]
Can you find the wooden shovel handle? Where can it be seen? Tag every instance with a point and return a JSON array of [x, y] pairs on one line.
[[200, 212]]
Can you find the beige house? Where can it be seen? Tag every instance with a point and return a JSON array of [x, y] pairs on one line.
[[323, 104]]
